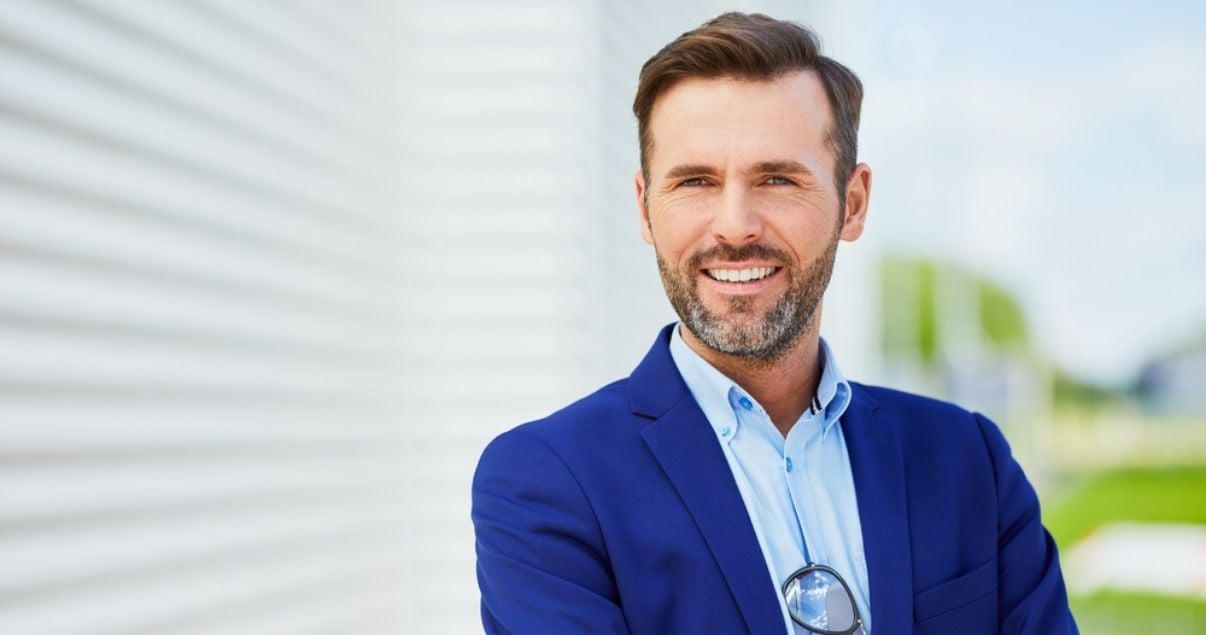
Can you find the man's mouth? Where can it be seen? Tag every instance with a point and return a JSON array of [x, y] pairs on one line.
[[740, 275]]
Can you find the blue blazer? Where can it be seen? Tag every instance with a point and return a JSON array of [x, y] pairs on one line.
[[619, 514]]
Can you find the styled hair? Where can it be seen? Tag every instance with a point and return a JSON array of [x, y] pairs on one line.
[[760, 48]]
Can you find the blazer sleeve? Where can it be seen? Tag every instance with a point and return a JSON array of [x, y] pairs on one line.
[[1030, 586], [541, 563]]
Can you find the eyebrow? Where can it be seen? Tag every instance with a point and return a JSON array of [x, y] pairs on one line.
[[782, 167], [689, 170], [765, 167]]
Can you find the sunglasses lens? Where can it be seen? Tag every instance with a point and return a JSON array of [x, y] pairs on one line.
[[818, 600]]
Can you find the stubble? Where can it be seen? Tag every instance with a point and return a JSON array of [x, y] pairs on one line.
[[736, 330]]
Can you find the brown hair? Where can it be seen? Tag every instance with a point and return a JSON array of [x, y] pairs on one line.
[[754, 47]]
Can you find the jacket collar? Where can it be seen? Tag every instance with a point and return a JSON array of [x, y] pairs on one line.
[[683, 442], [655, 386], [877, 463], [686, 447]]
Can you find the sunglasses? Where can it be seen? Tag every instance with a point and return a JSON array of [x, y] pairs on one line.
[[820, 600]]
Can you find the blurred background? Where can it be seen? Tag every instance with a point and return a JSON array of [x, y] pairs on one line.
[[272, 274]]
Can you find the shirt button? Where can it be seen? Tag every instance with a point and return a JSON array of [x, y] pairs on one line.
[[788, 463], [746, 403], [726, 431]]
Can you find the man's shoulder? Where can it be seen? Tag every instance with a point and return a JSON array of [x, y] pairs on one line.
[[894, 401], [596, 417], [585, 413], [953, 443], [915, 415]]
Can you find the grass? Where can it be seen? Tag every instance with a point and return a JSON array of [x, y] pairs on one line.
[[1110, 613], [1164, 494]]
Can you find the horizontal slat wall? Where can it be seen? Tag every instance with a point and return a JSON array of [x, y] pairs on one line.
[[271, 275], [499, 132], [201, 325]]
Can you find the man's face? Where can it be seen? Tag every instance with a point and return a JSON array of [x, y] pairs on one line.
[[742, 209]]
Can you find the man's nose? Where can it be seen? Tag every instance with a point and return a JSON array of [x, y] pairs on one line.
[[737, 222]]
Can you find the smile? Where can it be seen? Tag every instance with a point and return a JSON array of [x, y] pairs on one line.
[[740, 275]]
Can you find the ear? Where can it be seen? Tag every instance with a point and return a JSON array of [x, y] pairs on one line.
[[643, 207], [858, 197]]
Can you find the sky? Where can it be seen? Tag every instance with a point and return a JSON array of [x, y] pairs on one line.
[[1057, 148]]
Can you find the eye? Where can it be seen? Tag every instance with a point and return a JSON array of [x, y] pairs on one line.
[[693, 182], [779, 180]]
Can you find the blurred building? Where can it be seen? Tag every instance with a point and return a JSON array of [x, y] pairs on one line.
[[1174, 384]]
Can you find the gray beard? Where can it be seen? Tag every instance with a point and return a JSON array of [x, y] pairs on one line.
[[764, 339]]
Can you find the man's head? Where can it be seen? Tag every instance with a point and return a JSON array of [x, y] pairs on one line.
[[748, 179], [752, 47]]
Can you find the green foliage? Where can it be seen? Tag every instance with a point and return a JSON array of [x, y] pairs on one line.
[[1070, 392], [927, 314], [1001, 317], [911, 322], [907, 298]]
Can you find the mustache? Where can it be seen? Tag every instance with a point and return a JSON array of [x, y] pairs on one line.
[[731, 253]]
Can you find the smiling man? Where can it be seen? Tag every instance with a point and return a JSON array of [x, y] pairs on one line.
[[737, 482]]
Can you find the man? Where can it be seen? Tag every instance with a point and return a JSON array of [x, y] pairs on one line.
[[736, 482]]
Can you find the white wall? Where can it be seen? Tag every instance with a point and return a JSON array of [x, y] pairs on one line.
[[200, 368], [271, 276]]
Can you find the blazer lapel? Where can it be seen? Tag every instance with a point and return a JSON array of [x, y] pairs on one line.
[[686, 447], [877, 463]]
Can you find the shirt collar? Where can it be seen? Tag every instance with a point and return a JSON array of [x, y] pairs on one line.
[[833, 391], [709, 386], [717, 395]]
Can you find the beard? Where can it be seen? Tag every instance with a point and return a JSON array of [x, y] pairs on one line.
[[738, 329]]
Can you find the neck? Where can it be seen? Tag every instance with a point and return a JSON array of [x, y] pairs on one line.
[[784, 386]]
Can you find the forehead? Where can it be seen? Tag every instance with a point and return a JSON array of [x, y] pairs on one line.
[[736, 120]]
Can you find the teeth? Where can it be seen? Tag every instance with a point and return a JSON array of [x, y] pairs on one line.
[[740, 275]]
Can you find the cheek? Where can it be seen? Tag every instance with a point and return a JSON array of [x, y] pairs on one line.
[[679, 230], [803, 232]]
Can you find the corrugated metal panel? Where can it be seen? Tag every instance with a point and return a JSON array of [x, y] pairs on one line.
[[200, 377], [498, 118]]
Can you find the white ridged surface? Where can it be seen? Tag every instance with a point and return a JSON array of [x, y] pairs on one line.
[[202, 413], [273, 273]]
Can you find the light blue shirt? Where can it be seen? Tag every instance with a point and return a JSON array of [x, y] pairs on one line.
[[798, 490]]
